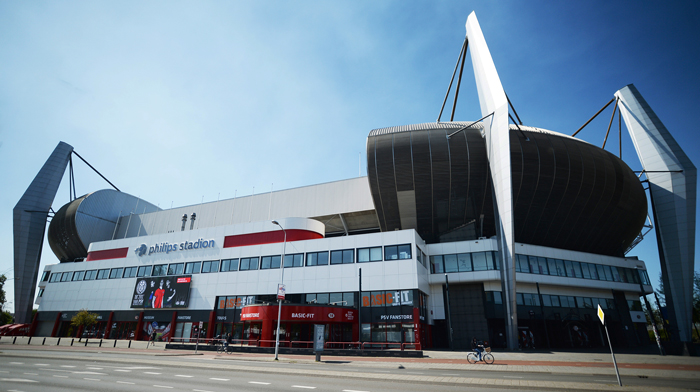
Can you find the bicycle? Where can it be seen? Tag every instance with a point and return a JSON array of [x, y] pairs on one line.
[[486, 356], [223, 348]]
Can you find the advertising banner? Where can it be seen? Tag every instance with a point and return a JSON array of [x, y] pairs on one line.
[[158, 292]]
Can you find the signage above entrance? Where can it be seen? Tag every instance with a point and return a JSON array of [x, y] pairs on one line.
[[165, 247], [316, 314]]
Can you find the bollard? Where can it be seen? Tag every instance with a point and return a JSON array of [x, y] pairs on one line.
[[29, 341], [130, 343], [71, 342], [100, 342], [14, 340], [115, 342], [318, 356], [59, 342], [43, 341], [86, 340]]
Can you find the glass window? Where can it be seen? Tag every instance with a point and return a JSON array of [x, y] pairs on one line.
[[464, 262], [436, 265], [342, 256], [586, 272], [552, 265], [45, 276], [160, 270], [391, 252], [90, 275], [226, 265], [78, 275], [587, 303], [295, 260], [615, 274], [546, 300], [519, 299], [576, 266], [103, 274], [144, 271], [569, 269], [249, 263], [369, 254], [542, 264], [600, 272], [608, 273], [534, 269], [55, 278], [41, 293], [497, 298], [317, 258], [193, 268], [310, 298], [561, 270], [404, 252], [116, 273], [129, 272], [176, 269], [378, 298], [479, 260], [270, 262], [336, 299], [65, 277], [555, 300], [322, 298], [450, 263], [349, 299], [610, 302], [524, 264]]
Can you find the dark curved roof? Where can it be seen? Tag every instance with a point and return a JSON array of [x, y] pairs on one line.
[[567, 193]]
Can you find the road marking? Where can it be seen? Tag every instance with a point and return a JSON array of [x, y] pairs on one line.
[[13, 390], [302, 386], [4, 371], [41, 364], [16, 363], [449, 374], [183, 375], [352, 390], [151, 373], [91, 379], [32, 374], [383, 371], [200, 390], [95, 368], [220, 379], [258, 382], [68, 366], [414, 373], [122, 370], [102, 374], [511, 377], [60, 376], [162, 386], [125, 382], [17, 380]]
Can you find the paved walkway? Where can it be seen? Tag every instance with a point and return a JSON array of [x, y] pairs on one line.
[[590, 363]]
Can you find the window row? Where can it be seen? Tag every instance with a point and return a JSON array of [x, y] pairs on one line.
[[345, 256], [577, 269], [556, 301], [464, 262], [482, 261], [338, 299]]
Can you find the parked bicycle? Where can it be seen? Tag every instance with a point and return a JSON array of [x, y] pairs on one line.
[[487, 357]]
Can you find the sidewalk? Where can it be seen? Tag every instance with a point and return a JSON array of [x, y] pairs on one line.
[[597, 363]]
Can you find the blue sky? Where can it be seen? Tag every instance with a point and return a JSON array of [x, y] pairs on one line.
[[179, 102]]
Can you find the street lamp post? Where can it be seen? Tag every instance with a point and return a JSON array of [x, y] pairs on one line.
[[279, 309]]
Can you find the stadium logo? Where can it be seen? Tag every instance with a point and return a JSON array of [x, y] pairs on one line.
[[141, 250], [141, 287]]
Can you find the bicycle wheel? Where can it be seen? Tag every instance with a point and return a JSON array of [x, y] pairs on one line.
[[220, 349], [228, 349], [488, 358], [472, 358]]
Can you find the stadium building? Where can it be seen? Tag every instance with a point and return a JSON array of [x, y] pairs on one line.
[[499, 231]]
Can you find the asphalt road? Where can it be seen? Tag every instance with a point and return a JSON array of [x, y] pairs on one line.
[[92, 371]]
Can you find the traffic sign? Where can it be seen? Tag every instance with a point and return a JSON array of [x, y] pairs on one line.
[[601, 315]]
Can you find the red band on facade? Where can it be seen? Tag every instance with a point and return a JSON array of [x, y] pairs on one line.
[[269, 237], [107, 254]]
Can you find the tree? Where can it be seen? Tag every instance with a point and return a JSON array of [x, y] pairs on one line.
[[83, 319], [5, 317]]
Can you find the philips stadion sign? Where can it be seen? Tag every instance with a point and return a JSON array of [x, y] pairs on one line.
[[165, 247]]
